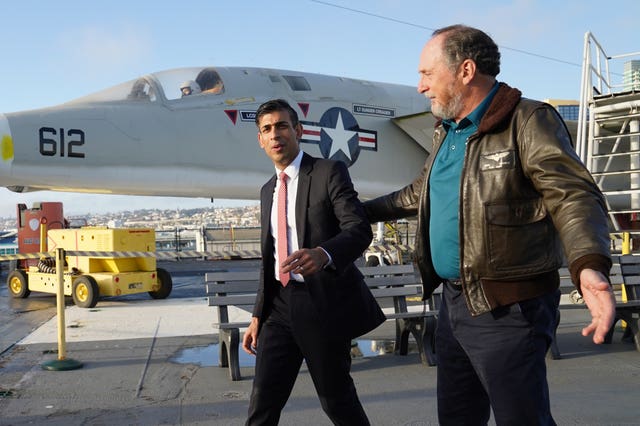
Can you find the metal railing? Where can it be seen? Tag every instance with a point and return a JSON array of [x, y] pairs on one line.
[[596, 80]]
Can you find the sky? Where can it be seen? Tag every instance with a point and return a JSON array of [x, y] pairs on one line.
[[54, 52]]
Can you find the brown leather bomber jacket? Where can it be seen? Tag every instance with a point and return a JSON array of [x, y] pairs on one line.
[[524, 197]]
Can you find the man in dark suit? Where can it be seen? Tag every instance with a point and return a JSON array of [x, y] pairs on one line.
[[312, 299]]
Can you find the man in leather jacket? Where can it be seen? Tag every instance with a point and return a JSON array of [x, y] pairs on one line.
[[502, 194]]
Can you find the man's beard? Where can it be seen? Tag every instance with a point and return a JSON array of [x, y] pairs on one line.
[[452, 108]]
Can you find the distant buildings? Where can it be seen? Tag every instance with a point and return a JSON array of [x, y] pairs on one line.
[[223, 217], [568, 109], [631, 75]]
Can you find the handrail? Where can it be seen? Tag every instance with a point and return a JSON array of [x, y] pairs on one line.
[[596, 80]]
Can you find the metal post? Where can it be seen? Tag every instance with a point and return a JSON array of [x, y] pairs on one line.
[[43, 235], [626, 249], [626, 243], [634, 163], [62, 346], [379, 237], [62, 363]]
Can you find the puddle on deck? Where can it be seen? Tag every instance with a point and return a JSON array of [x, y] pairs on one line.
[[208, 356]]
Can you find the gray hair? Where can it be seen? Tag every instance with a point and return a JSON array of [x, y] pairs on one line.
[[462, 42]]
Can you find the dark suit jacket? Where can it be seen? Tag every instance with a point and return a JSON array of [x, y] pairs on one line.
[[328, 214]]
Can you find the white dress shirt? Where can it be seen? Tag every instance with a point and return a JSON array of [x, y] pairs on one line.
[[292, 171]]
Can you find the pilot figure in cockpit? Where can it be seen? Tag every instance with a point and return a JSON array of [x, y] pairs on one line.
[[189, 87]]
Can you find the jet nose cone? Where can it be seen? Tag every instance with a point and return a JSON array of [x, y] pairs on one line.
[[6, 142]]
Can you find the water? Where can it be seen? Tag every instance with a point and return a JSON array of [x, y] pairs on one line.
[[207, 356]]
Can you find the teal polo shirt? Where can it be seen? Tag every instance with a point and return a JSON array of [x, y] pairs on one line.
[[444, 191]]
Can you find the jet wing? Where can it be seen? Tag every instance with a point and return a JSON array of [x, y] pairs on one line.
[[419, 127]]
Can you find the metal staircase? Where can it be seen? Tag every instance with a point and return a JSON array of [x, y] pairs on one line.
[[608, 138]]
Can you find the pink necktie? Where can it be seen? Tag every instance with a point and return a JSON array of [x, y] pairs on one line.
[[283, 245]]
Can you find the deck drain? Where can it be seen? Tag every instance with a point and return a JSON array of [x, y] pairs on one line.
[[6, 393]]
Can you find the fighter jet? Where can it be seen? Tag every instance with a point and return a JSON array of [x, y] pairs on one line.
[[190, 132]]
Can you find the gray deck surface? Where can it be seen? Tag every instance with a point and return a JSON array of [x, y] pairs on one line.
[[130, 377]]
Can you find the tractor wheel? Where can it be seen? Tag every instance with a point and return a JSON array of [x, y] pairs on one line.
[[85, 292], [166, 285], [18, 284]]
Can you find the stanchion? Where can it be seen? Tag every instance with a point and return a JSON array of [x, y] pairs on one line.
[[43, 235], [626, 243], [626, 249], [62, 363]]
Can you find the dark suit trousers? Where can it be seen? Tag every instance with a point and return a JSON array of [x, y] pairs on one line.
[[294, 332], [494, 360]]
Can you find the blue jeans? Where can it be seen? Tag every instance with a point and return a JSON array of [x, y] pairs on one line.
[[494, 361]]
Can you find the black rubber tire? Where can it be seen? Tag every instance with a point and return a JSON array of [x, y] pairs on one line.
[[18, 284], [166, 284], [85, 292]]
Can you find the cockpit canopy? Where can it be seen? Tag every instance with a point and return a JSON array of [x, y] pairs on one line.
[[169, 85]]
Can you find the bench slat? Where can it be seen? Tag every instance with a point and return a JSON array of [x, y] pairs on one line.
[[230, 325], [629, 304], [379, 281], [411, 314], [632, 280], [220, 276], [396, 291], [368, 271], [630, 270], [236, 299], [233, 287], [627, 259]]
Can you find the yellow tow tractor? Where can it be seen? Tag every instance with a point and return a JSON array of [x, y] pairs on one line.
[[92, 273]]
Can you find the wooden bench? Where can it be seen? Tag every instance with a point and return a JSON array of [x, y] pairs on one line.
[[395, 283], [224, 289], [625, 276], [629, 310]]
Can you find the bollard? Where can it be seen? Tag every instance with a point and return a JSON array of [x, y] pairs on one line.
[[62, 363]]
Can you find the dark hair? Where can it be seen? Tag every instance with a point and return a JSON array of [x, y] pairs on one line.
[[462, 42], [208, 78], [276, 105]]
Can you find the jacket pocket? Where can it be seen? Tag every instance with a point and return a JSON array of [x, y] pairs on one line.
[[520, 236]]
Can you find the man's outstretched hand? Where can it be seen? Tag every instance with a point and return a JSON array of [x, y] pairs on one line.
[[598, 295]]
